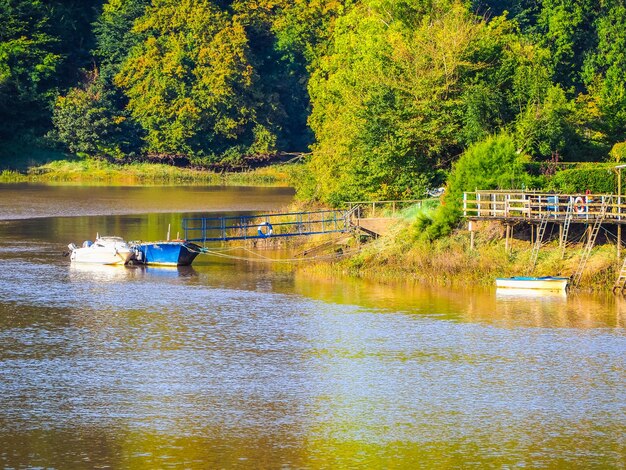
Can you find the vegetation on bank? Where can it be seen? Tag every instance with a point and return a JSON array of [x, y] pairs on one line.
[[393, 97], [99, 171]]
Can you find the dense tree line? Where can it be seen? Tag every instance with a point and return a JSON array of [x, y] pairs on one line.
[[386, 93]]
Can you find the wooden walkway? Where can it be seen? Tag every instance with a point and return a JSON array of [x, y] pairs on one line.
[[376, 227], [376, 218], [531, 207]]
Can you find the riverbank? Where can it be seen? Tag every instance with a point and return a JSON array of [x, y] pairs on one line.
[[98, 171], [400, 257]]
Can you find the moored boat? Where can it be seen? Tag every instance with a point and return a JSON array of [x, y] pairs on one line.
[[104, 250], [523, 282], [166, 253]]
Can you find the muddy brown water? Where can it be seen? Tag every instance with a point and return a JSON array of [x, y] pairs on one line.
[[240, 364]]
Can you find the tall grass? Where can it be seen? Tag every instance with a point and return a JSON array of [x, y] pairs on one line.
[[97, 171]]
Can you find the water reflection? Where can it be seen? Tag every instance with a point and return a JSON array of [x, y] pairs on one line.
[[533, 295], [503, 307], [80, 272], [28, 200]]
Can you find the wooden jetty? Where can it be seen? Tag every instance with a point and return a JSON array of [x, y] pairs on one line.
[[538, 209], [533, 206], [376, 218]]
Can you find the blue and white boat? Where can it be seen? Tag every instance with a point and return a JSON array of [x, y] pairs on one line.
[[544, 283], [166, 253]]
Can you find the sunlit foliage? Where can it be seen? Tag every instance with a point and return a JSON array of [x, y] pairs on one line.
[[385, 94]]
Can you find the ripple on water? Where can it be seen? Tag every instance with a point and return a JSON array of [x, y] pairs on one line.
[[153, 353]]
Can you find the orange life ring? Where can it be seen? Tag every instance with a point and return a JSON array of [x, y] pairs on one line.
[[579, 205]]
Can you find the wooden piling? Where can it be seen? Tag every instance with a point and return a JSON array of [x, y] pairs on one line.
[[507, 245]]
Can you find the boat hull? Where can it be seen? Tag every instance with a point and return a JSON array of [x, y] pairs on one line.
[[105, 250], [166, 253], [100, 258], [541, 283]]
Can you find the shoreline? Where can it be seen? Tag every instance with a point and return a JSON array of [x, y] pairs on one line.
[[91, 171], [396, 257]]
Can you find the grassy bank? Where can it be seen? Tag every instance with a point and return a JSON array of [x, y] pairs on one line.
[[97, 171], [400, 257]]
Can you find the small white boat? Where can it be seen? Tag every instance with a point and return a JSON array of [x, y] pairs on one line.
[[104, 250], [544, 283]]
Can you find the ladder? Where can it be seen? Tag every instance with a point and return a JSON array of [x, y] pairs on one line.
[[569, 214], [595, 229], [535, 253], [620, 283]]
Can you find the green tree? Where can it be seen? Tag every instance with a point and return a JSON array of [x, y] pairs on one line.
[[29, 60], [565, 28], [114, 30], [285, 38], [605, 68], [388, 107], [92, 118], [87, 121], [190, 83]]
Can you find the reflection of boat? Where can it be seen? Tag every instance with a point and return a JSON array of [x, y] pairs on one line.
[[512, 293], [542, 283], [169, 271], [104, 250], [100, 272], [167, 253]]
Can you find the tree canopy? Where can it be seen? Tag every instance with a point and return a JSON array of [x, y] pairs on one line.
[[386, 95]]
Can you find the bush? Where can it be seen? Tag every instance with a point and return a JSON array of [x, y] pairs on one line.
[[597, 178], [491, 164]]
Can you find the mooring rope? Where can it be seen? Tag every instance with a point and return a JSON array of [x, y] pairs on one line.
[[266, 259]]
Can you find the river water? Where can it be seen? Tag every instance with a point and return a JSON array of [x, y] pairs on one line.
[[239, 364]]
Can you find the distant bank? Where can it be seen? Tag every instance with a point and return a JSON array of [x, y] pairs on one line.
[[99, 171]]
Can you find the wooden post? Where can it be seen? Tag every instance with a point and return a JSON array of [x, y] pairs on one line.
[[464, 204], [507, 236], [619, 212], [471, 229], [561, 241]]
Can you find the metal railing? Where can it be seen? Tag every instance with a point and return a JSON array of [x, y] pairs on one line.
[[373, 209], [207, 229]]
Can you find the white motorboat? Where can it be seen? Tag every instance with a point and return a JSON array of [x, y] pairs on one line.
[[104, 250]]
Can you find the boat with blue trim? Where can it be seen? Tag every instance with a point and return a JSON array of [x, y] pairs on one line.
[[524, 282], [166, 253]]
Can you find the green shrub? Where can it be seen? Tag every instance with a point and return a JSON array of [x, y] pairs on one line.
[[491, 164], [596, 177]]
